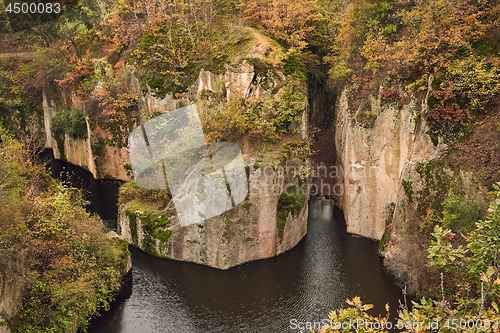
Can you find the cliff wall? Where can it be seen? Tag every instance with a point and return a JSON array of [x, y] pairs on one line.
[[11, 285], [271, 220], [259, 227], [376, 146], [248, 232], [397, 181]]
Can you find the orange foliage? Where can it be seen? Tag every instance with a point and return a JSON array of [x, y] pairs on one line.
[[404, 39], [111, 103], [407, 41], [289, 22], [446, 112], [78, 69]]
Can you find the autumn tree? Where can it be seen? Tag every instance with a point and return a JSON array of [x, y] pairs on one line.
[[290, 23], [405, 43], [69, 268]]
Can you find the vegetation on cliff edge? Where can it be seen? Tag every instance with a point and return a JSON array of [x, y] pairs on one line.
[[70, 268]]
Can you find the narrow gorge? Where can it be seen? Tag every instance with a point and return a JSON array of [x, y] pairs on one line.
[[311, 151]]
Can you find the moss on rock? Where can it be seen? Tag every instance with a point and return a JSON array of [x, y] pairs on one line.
[[291, 201]]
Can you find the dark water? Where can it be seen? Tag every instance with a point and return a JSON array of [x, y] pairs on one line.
[[304, 284]]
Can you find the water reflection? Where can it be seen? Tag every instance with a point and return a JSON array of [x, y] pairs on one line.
[[327, 267]]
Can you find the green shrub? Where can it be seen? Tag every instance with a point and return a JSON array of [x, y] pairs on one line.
[[291, 201], [170, 57], [460, 212], [98, 145], [70, 269], [265, 119], [293, 67], [408, 187], [71, 122], [130, 191]]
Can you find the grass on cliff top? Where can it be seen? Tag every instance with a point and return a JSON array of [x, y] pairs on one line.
[[268, 153], [142, 199], [143, 207]]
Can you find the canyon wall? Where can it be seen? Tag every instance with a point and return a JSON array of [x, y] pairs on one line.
[[376, 145], [268, 222], [396, 178], [11, 284], [111, 163], [271, 220]]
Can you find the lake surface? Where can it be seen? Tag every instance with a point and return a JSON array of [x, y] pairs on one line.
[[304, 284]]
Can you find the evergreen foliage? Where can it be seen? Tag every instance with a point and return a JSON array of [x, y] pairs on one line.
[[71, 122], [291, 201]]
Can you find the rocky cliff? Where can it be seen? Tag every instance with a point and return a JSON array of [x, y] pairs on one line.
[[109, 162], [11, 284], [271, 220], [273, 217], [262, 226], [110, 157], [268, 222], [376, 145], [397, 180]]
